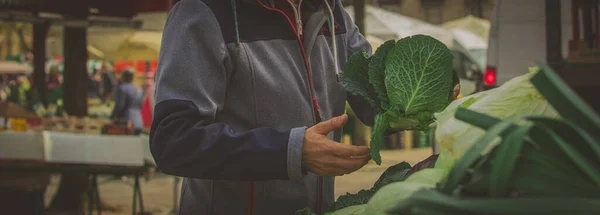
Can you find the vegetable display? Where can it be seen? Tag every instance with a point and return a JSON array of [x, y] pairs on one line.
[[542, 165], [406, 81], [515, 97], [543, 160]]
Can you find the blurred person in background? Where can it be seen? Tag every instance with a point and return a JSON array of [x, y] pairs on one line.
[[128, 101], [94, 84], [4, 91], [148, 107], [107, 82], [54, 85], [20, 92]]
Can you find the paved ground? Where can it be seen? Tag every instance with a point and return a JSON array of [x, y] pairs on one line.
[[158, 192]]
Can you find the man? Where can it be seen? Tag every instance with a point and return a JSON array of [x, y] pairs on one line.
[[248, 104], [128, 102], [107, 82]]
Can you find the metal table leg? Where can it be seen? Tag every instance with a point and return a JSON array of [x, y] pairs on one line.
[[94, 196], [137, 193]]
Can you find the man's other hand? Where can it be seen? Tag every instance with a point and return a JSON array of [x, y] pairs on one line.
[[455, 92], [326, 157]]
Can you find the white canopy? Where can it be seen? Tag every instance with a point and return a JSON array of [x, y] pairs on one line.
[[478, 26], [468, 39], [389, 25]]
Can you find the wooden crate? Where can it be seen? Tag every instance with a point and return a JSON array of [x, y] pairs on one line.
[[118, 128]]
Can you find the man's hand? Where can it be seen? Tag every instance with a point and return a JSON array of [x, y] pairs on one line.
[[326, 157]]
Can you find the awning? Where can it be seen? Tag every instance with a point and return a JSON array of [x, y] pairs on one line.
[[390, 25]]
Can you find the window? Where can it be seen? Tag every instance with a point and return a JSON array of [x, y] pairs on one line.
[[432, 3], [474, 7]]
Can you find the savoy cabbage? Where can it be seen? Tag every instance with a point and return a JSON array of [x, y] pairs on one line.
[[406, 81]]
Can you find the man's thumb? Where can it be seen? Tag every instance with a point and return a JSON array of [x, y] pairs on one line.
[[334, 123]]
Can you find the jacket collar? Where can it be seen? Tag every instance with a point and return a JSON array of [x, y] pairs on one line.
[[315, 20], [312, 4]]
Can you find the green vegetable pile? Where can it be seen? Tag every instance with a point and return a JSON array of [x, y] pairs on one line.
[[406, 81], [524, 162]]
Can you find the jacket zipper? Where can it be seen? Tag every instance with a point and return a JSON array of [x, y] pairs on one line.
[[298, 15], [317, 111], [299, 32]]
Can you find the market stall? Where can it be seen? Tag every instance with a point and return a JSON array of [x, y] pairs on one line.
[[77, 146], [33, 147]]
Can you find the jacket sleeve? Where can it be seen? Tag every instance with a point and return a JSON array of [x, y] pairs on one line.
[[357, 42], [186, 139]]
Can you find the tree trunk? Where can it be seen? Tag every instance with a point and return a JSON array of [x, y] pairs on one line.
[[359, 16], [9, 41], [22, 43], [70, 196], [71, 192], [76, 79], [40, 33]]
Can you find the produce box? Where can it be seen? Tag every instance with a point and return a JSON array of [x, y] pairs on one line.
[[83, 125], [118, 127], [17, 124]]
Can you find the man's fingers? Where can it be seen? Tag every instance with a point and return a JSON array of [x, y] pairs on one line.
[[346, 151], [332, 165], [334, 123], [349, 165], [366, 156]]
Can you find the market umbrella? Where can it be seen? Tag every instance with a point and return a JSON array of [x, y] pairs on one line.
[[126, 44], [116, 43], [133, 52]]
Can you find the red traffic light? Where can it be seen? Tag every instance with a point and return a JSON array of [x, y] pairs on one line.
[[489, 78]]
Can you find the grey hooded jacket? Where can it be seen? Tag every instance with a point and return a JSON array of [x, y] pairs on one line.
[[234, 95]]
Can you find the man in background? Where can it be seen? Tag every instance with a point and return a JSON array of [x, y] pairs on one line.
[[128, 102]]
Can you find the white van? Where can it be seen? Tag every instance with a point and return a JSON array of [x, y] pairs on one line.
[[518, 38]]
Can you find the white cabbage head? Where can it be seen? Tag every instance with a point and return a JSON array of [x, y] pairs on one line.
[[515, 97]]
